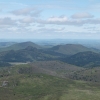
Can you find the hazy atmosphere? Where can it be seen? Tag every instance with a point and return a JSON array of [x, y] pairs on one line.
[[49, 49], [49, 19]]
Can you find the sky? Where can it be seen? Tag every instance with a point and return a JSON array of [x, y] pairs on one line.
[[49, 19]]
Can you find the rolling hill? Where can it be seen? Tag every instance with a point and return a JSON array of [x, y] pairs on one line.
[[46, 78], [70, 49], [23, 83], [19, 46], [84, 59], [60, 68], [28, 54], [87, 74], [24, 55]]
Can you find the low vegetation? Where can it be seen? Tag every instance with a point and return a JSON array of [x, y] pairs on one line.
[[29, 72], [23, 83]]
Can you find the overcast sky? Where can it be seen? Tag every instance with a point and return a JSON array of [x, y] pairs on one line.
[[49, 19]]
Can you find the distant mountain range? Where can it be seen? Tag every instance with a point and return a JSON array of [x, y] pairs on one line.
[[75, 54], [24, 55]]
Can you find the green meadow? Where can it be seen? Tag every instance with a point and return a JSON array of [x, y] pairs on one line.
[[39, 86]]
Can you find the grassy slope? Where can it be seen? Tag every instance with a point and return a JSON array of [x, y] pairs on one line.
[[70, 49], [89, 74], [37, 86], [58, 68], [19, 46], [84, 59], [25, 55], [61, 68]]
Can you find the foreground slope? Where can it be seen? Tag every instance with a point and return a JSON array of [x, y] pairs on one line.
[[64, 70], [39, 86], [60, 68], [88, 74]]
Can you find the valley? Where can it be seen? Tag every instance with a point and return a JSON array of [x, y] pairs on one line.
[[29, 71]]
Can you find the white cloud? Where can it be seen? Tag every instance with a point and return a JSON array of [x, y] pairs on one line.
[[62, 20], [24, 11], [50, 30], [67, 21], [58, 19], [7, 21], [36, 13], [27, 12], [26, 20], [82, 15]]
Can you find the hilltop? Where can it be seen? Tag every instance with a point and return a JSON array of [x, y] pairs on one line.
[[84, 59], [70, 49], [29, 54], [19, 46]]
